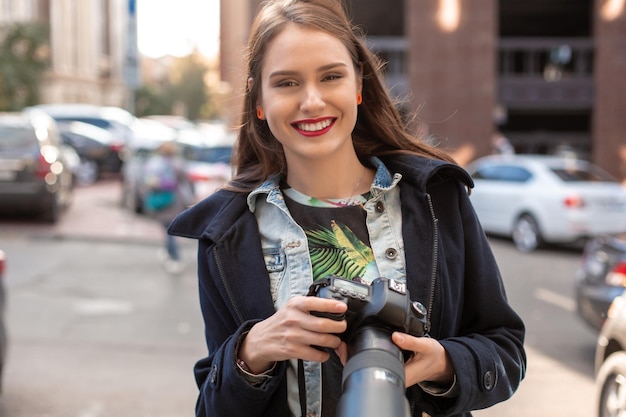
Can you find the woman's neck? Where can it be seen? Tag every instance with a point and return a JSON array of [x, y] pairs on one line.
[[331, 181]]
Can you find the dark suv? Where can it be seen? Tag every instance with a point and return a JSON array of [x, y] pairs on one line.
[[3, 333], [35, 175], [117, 121], [611, 362]]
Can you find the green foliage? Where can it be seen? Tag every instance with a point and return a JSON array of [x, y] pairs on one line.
[[185, 89], [24, 57], [190, 88], [153, 99]]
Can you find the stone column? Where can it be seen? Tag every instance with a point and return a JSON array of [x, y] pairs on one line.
[[609, 115], [452, 71]]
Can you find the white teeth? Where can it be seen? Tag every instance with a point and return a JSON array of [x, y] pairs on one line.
[[312, 127]]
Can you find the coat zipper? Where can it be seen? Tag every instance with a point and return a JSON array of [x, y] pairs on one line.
[[433, 276], [226, 287]]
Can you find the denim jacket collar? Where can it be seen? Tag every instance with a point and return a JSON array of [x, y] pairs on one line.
[[383, 181]]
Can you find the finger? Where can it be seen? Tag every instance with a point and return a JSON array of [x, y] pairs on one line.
[[315, 354], [325, 305], [325, 324], [405, 341], [342, 352]]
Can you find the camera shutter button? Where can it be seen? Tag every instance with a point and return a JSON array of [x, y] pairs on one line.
[[419, 309]]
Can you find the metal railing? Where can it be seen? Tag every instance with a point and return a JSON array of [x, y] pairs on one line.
[[546, 73], [393, 52], [541, 73]]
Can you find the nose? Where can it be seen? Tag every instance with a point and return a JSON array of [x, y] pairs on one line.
[[312, 100]]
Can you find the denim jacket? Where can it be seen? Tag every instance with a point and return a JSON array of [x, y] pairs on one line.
[[448, 265]]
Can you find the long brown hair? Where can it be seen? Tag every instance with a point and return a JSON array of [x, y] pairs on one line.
[[379, 129]]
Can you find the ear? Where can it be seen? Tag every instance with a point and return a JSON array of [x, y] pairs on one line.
[[250, 86]]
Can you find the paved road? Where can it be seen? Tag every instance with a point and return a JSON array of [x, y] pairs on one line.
[[97, 327]]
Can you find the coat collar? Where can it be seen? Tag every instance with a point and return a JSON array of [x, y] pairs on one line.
[[211, 217]]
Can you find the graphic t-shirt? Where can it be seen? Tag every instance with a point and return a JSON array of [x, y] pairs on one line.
[[337, 235]]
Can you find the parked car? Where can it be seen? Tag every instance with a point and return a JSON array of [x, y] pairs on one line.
[[113, 119], [600, 278], [610, 362], [35, 175], [72, 161], [207, 162], [3, 332], [535, 199], [179, 123], [99, 152]]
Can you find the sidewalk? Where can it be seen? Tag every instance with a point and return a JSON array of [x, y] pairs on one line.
[[95, 214]]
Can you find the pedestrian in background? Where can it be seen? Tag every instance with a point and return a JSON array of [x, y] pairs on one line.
[[327, 171], [167, 192], [501, 145]]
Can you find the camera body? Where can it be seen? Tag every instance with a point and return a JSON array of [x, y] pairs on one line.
[[385, 303], [373, 380]]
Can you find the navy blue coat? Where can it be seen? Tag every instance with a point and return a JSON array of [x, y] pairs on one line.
[[450, 268]]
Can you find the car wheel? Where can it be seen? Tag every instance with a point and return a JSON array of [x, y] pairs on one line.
[[52, 212], [526, 236], [611, 386]]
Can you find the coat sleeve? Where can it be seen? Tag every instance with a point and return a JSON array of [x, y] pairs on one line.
[[480, 331], [223, 390]]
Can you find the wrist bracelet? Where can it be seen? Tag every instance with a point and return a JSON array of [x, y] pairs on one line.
[[244, 367]]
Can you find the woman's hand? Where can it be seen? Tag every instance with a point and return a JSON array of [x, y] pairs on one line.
[[429, 362], [292, 332]]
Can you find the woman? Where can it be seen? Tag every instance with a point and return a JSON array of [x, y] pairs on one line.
[[167, 192], [329, 182]]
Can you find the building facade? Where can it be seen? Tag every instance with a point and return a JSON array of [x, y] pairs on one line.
[[89, 52], [548, 74]]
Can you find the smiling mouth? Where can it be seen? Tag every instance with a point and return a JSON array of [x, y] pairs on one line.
[[316, 127]]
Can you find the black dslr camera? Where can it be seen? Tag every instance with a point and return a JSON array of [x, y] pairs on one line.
[[373, 378]]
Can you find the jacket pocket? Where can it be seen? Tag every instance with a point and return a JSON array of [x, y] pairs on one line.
[[275, 263]]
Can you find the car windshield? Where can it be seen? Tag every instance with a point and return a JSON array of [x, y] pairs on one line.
[[210, 154], [104, 124], [15, 137], [578, 174]]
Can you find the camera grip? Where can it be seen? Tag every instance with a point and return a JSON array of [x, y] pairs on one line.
[[332, 316]]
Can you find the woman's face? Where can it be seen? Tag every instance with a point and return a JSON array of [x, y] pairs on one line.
[[309, 89]]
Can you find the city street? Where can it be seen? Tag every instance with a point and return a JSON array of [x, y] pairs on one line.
[[97, 328]]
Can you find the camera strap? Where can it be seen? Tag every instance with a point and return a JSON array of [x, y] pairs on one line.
[[302, 388]]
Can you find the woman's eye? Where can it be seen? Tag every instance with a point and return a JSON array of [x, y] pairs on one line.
[[286, 83], [331, 77]]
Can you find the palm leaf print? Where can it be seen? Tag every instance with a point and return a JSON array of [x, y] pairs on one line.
[[338, 251]]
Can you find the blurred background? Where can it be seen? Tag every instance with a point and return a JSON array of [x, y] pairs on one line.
[[95, 325]]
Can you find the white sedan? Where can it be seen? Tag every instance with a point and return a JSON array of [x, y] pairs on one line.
[[537, 199]]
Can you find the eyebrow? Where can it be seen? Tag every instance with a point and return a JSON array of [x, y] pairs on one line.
[[323, 68]]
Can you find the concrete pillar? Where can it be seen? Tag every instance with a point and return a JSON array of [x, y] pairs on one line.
[[452, 71], [235, 17], [609, 115]]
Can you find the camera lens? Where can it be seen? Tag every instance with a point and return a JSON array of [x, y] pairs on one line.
[[373, 378]]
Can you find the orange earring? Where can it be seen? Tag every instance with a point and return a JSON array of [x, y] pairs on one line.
[[259, 113], [359, 98]]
